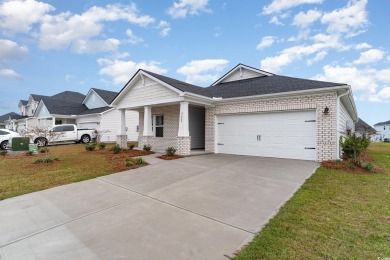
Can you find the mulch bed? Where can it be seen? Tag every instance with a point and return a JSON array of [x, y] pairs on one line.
[[345, 165], [170, 157]]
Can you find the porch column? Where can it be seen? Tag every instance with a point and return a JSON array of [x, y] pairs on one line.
[[183, 135], [121, 138], [183, 123], [54, 120], [148, 121]]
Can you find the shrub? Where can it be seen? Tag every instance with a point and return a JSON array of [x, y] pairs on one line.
[[46, 160], [44, 150], [102, 146], [353, 147], [147, 147], [116, 149], [368, 167], [170, 151], [139, 160], [3, 153], [128, 162], [131, 146], [90, 147], [30, 153]]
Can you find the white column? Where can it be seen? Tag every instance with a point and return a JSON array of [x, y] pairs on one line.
[[148, 121], [54, 120], [183, 123], [122, 122]]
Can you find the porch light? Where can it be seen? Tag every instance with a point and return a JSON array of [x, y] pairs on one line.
[[326, 111]]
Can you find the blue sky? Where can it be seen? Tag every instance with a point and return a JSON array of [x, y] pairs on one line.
[[49, 46]]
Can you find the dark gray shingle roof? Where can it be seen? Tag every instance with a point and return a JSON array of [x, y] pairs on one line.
[[6, 117], [106, 95], [70, 96], [363, 126], [95, 110], [70, 108], [24, 102], [39, 97], [383, 123]]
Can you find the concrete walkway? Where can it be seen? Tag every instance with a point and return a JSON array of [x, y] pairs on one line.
[[202, 207]]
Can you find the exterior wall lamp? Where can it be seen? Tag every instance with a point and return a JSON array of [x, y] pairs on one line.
[[326, 111]]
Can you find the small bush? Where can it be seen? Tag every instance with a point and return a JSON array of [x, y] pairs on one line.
[[128, 162], [170, 151], [368, 167], [102, 146], [30, 153], [90, 147], [116, 149], [46, 160], [131, 146], [3, 153], [139, 160], [44, 150], [353, 147], [147, 147]]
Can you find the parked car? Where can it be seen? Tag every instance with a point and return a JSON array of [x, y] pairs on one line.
[[64, 133], [5, 136]]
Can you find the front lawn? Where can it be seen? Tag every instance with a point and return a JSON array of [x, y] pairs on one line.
[[19, 175], [335, 214]]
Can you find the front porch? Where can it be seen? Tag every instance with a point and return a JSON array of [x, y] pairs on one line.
[[180, 124]]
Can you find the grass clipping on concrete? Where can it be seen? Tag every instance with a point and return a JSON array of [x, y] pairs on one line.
[[19, 175], [335, 214]]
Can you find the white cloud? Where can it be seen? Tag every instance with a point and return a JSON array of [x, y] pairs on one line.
[[164, 27], [265, 42], [304, 20], [203, 71], [363, 45], [370, 56], [19, 15], [11, 50], [351, 19], [79, 31], [275, 20], [10, 74], [279, 5], [183, 7], [366, 83], [319, 56], [133, 39], [121, 71]]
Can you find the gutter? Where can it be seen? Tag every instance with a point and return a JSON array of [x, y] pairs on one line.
[[337, 120]]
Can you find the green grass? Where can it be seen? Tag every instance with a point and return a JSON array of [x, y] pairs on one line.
[[19, 175], [335, 215]]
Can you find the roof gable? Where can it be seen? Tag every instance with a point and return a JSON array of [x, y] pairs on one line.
[[94, 100], [106, 95], [241, 72]]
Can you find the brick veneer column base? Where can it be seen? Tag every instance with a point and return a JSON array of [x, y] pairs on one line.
[[184, 145], [121, 140], [146, 140]]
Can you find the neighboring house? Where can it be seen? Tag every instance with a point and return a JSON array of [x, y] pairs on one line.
[[247, 112], [4, 118], [89, 112], [383, 130], [362, 128]]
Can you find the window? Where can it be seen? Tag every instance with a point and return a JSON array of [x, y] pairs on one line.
[[158, 125], [3, 133], [58, 129], [58, 122], [68, 128]]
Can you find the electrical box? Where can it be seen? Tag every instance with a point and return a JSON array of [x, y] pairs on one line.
[[19, 143]]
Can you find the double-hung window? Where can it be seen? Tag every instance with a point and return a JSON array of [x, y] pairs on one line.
[[158, 125]]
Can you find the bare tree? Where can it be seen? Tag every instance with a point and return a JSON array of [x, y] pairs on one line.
[[99, 135]]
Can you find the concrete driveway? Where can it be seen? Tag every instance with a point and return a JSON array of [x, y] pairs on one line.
[[201, 207]]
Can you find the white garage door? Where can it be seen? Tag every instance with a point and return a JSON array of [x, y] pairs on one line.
[[280, 134], [90, 125]]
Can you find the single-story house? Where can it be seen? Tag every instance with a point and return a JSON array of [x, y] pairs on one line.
[[246, 112], [383, 130], [362, 128]]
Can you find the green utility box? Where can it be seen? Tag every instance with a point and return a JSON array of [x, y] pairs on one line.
[[20, 143]]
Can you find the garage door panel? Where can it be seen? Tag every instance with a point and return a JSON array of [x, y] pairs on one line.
[[282, 135]]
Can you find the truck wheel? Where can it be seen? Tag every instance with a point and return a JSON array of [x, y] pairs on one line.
[[41, 142], [4, 145], [85, 139]]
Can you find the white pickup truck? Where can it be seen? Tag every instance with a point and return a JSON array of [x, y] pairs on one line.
[[64, 133]]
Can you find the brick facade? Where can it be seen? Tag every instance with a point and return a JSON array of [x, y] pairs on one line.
[[121, 140], [326, 125]]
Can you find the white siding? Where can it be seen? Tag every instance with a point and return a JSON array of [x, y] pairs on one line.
[[343, 118], [151, 91], [43, 112], [197, 127], [94, 101], [246, 74], [91, 122], [383, 131], [110, 122]]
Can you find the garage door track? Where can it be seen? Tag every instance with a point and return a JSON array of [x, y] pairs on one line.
[[201, 207]]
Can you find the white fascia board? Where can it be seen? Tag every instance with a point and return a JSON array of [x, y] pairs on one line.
[[135, 78], [199, 99], [106, 111], [349, 102], [283, 94], [241, 66], [153, 103]]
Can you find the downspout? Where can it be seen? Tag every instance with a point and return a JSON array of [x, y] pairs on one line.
[[337, 121]]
